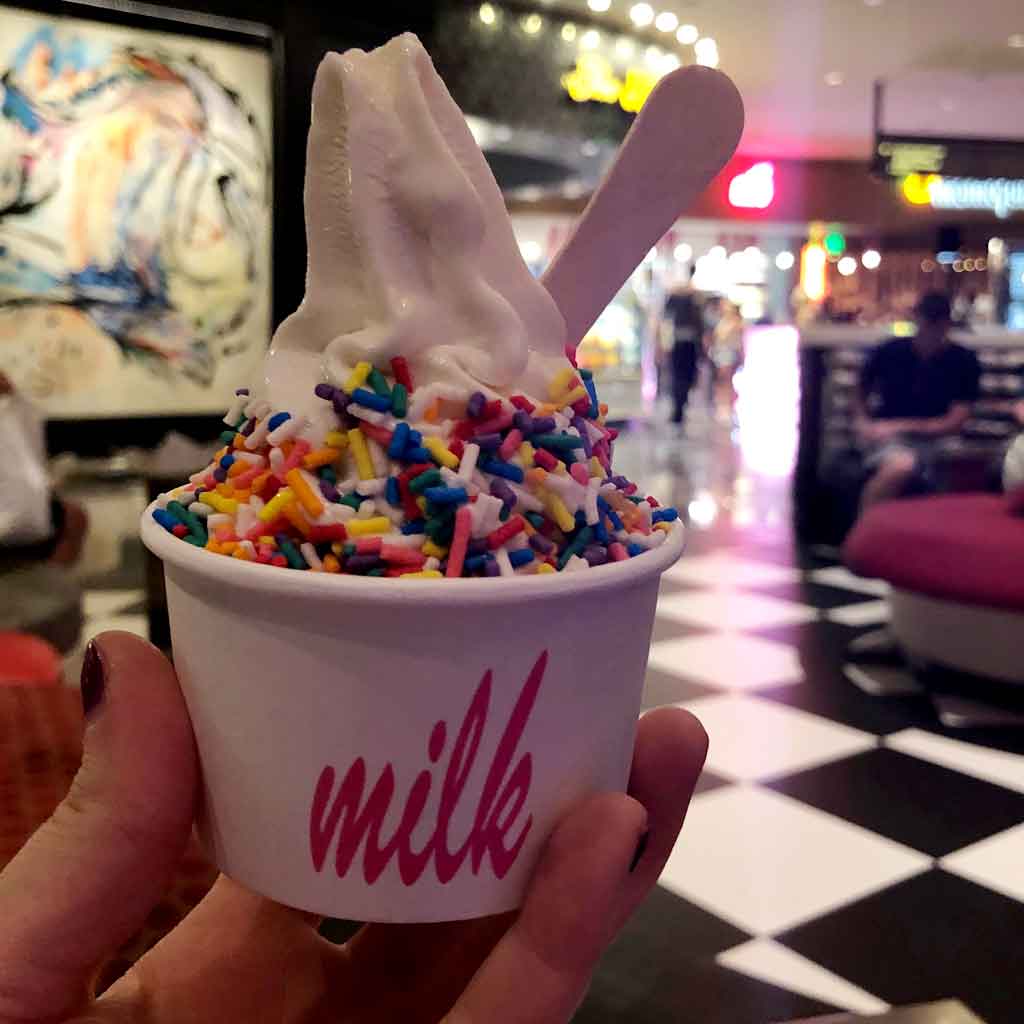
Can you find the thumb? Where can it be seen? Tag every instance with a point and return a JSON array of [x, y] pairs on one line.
[[89, 876]]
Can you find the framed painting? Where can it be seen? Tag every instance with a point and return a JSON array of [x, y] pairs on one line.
[[135, 210]]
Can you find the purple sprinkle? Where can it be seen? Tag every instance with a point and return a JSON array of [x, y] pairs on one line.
[[596, 554], [500, 489], [220, 475], [241, 391], [542, 544], [588, 448], [329, 491], [325, 391], [362, 563], [475, 405], [491, 568], [544, 424], [620, 481], [340, 401], [250, 426], [477, 546], [488, 442], [523, 422]]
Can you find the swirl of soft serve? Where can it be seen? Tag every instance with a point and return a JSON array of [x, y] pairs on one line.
[[411, 251]]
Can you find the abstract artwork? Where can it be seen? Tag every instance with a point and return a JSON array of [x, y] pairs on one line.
[[135, 217]]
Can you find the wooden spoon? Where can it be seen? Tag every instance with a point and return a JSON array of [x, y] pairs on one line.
[[682, 137]]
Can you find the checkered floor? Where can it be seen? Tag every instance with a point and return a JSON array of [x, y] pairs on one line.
[[842, 852]]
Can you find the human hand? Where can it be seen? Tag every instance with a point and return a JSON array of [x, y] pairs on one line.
[[88, 878], [877, 431]]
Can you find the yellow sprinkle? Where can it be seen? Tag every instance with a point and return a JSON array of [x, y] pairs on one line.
[[571, 396], [596, 469], [337, 547], [307, 499], [560, 468], [440, 452], [267, 541], [366, 527], [336, 439], [560, 382], [276, 505], [241, 553], [321, 457], [229, 506], [357, 378], [526, 452], [535, 477], [364, 464], [331, 564], [432, 550], [421, 503], [544, 568], [664, 527], [557, 510], [423, 574]]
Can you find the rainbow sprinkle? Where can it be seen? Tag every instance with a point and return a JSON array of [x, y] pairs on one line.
[[420, 484]]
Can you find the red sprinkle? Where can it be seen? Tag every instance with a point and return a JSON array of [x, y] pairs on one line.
[[400, 368], [570, 354], [490, 409], [398, 555], [272, 529], [279, 560], [545, 459], [368, 546], [375, 433], [272, 486], [322, 534], [463, 430], [457, 447], [653, 502], [181, 530], [582, 406], [496, 424], [505, 532], [522, 403]]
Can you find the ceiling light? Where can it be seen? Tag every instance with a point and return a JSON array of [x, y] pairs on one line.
[[706, 50], [532, 24], [600, 6], [847, 266], [652, 55], [666, 22], [834, 78], [531, 251], [687, 34], [683, 252], [569, 32], [871, 258], [641, 15], [589, 148], [785, 260], [669, 63], [981, 263], [624, 47], [488, 15], [591, 39], [1016, 41]]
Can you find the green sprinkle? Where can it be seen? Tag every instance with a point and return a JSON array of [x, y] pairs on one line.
[[440, 529], [195, 525], [633, 498], [578, 543], [348, 550], [399, 401], [535, 519], [506, 511], [291, 552], [587, 374], [195, 541], [228, 436], [353, 500], [376, 572], [560, 442], [429, 478], [378, 383], [328, 474]]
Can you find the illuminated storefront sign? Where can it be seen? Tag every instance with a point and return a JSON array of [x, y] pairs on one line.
[[754, 189], [594, 79], [1001, 196]]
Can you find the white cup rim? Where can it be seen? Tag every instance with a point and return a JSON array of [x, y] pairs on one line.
[[274, 581]]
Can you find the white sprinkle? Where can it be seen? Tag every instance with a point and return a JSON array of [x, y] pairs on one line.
[[234, 413], [308, 552], [256, 408], [258, 436], [197, 508], [380, 419], [378, 458], [345, 512], [593, 432], [576, 564], [287, 430], [432, 564], [590, 502], [525, 499], [469, 456], [276, 459], [245, 520], [215, 522], [256, 502], [403, 540], [504, 565], [250, 458], [561, 422], [371, 487], [367, 510]]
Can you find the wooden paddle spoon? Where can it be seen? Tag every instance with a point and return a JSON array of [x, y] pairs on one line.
[[682, 137]]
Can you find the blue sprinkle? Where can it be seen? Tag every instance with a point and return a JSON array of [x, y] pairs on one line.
[[399, 440], [475, 405], [523, 556], [477, 546], [391, 492], [635, 549], [588, 383], [414, 526], [488, 442], [370, 400], [475, 562], [415, 438], [277, 419], [165, 519], [612, 515], [505, 469], [523, 422], [665, 515], [446, 495], [417, 455], [601, 532], [227, 462]]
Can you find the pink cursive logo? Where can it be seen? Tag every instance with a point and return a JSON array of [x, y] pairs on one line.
[[342, 814]]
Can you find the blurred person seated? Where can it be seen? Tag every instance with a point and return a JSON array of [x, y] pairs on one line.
[[913, 392]]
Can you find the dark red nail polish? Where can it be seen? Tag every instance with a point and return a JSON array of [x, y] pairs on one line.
[[93, 684], [641, 847]]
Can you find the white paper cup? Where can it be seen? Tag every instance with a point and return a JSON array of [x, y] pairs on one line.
[[399, 750]]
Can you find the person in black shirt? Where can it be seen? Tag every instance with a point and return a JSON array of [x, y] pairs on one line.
[[913, 391], [683, 310]]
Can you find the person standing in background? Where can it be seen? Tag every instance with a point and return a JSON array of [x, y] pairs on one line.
[[686, 319]]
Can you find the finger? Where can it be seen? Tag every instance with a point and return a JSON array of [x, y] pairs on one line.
[[569, 917], [89, 876], [670, 749]]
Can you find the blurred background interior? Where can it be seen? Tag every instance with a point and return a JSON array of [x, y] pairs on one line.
[[856, 843]]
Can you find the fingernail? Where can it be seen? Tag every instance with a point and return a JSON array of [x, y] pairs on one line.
[[93, 683], [641, 846]]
